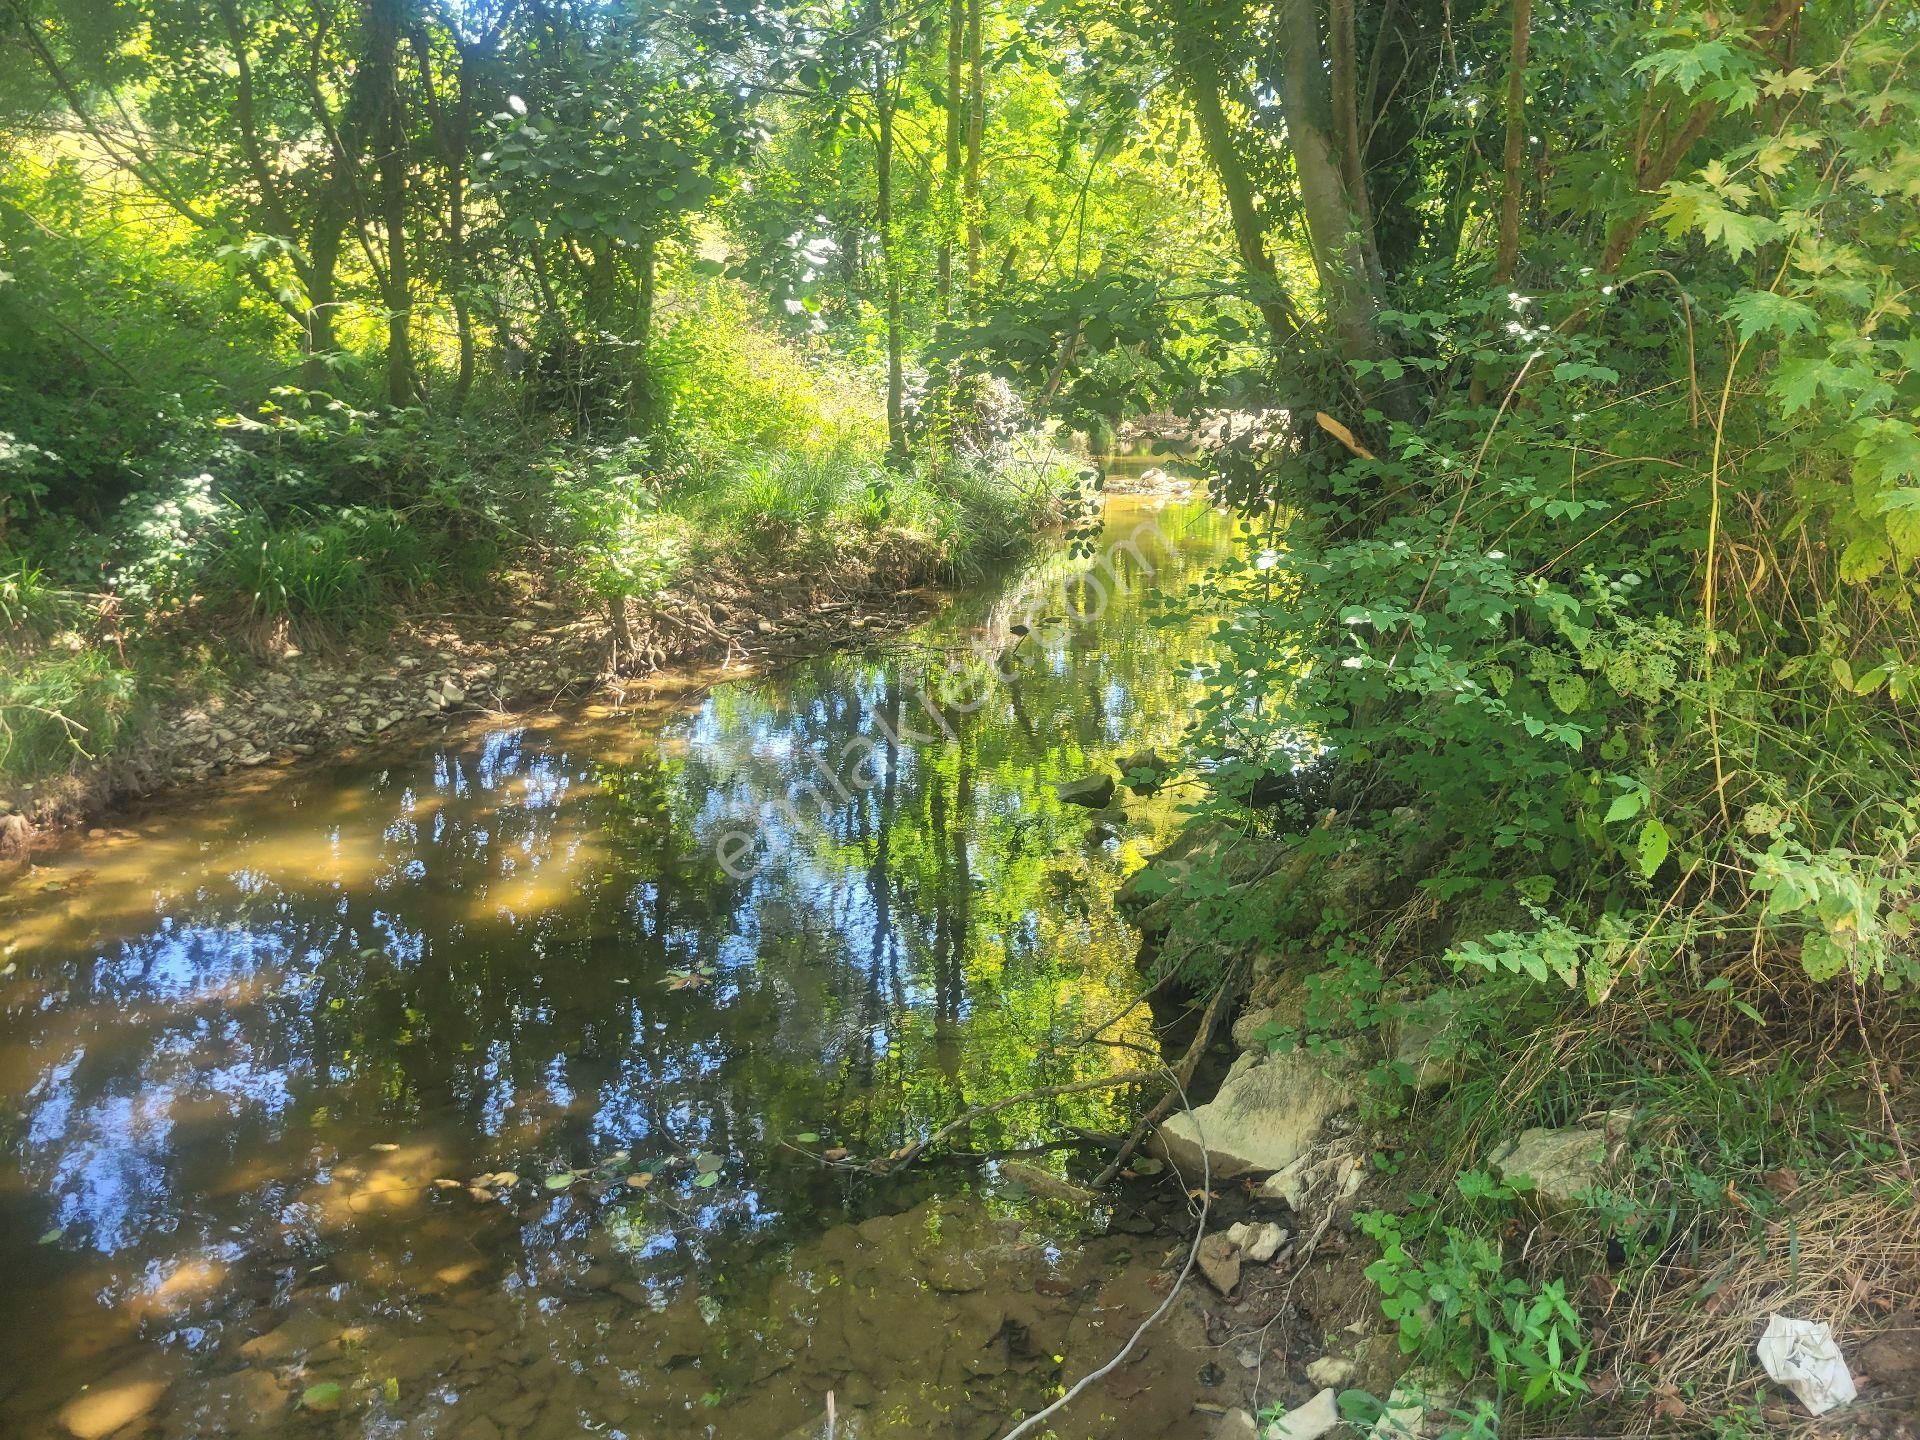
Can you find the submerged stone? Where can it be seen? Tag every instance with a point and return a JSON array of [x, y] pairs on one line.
[[127, 1395], [1094, 791]]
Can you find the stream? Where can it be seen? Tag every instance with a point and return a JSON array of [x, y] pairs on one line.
[[513, 1083]]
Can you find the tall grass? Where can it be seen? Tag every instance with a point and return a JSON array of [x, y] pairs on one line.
[[59, 710]]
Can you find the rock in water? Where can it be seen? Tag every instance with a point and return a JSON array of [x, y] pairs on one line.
[[1094, 791], [1146, 771], [1220, 1262], [1045, 1184], [1559, 1163], [15, 836], [1267, 1114], [117, 1402], [1308, 1421]]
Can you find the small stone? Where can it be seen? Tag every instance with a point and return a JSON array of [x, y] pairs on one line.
[[1220, 1262], [1331, 1372], [1236, 1425], [1258, 1243], [764, 626], [1308, 1421]]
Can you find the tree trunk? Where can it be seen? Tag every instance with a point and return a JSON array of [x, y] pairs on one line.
[[384, 25], [1507, 260], [950, 174], [883, 174], [1249, 229], [1349, 276], [647, 262], [323, 255], [976, 131]]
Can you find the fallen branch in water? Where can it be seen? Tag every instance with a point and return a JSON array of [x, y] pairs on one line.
[[907, 1154], [1173, 1293], [1209, 1022]]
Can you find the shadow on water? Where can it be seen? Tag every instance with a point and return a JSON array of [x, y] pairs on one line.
[[268, 1058]]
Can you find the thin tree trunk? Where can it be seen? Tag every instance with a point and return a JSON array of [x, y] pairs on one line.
[[647, 262], [1249, 230], [317, 339], [1345, 75], [383, 54], [950, 174], [883, 171], [451, 134], [1507, 260], [976, 131]]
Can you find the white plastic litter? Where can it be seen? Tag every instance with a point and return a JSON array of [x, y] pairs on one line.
[[1802, 1355]]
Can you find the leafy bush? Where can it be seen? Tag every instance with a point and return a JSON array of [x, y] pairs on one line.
[[1455, 1301]]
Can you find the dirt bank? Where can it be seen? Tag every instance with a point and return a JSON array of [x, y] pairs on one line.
[[532, 644]]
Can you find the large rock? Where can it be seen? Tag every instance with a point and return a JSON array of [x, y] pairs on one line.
[[1265, 1117], [1094, 791], [16, 837], [1429, 1041], [1560, 1164], [1145, 771]]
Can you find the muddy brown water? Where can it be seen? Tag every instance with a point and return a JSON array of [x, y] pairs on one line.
[[483, 1089]]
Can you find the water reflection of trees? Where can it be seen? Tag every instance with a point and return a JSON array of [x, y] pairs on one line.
[[475, 945]]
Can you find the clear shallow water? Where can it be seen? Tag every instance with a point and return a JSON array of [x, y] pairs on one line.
[[256, 1050]]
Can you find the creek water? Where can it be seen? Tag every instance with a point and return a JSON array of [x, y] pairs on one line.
[[492, 1086]]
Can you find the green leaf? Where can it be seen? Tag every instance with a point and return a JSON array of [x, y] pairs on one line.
[[1568, 692], [1755, 311], [708, 1163], [807, 1137], [1821, 957], [1650, 850], [1865, 557], [707, 1179], [322, 1397], [559, 1180], [1625, 807], [1903, 532]]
